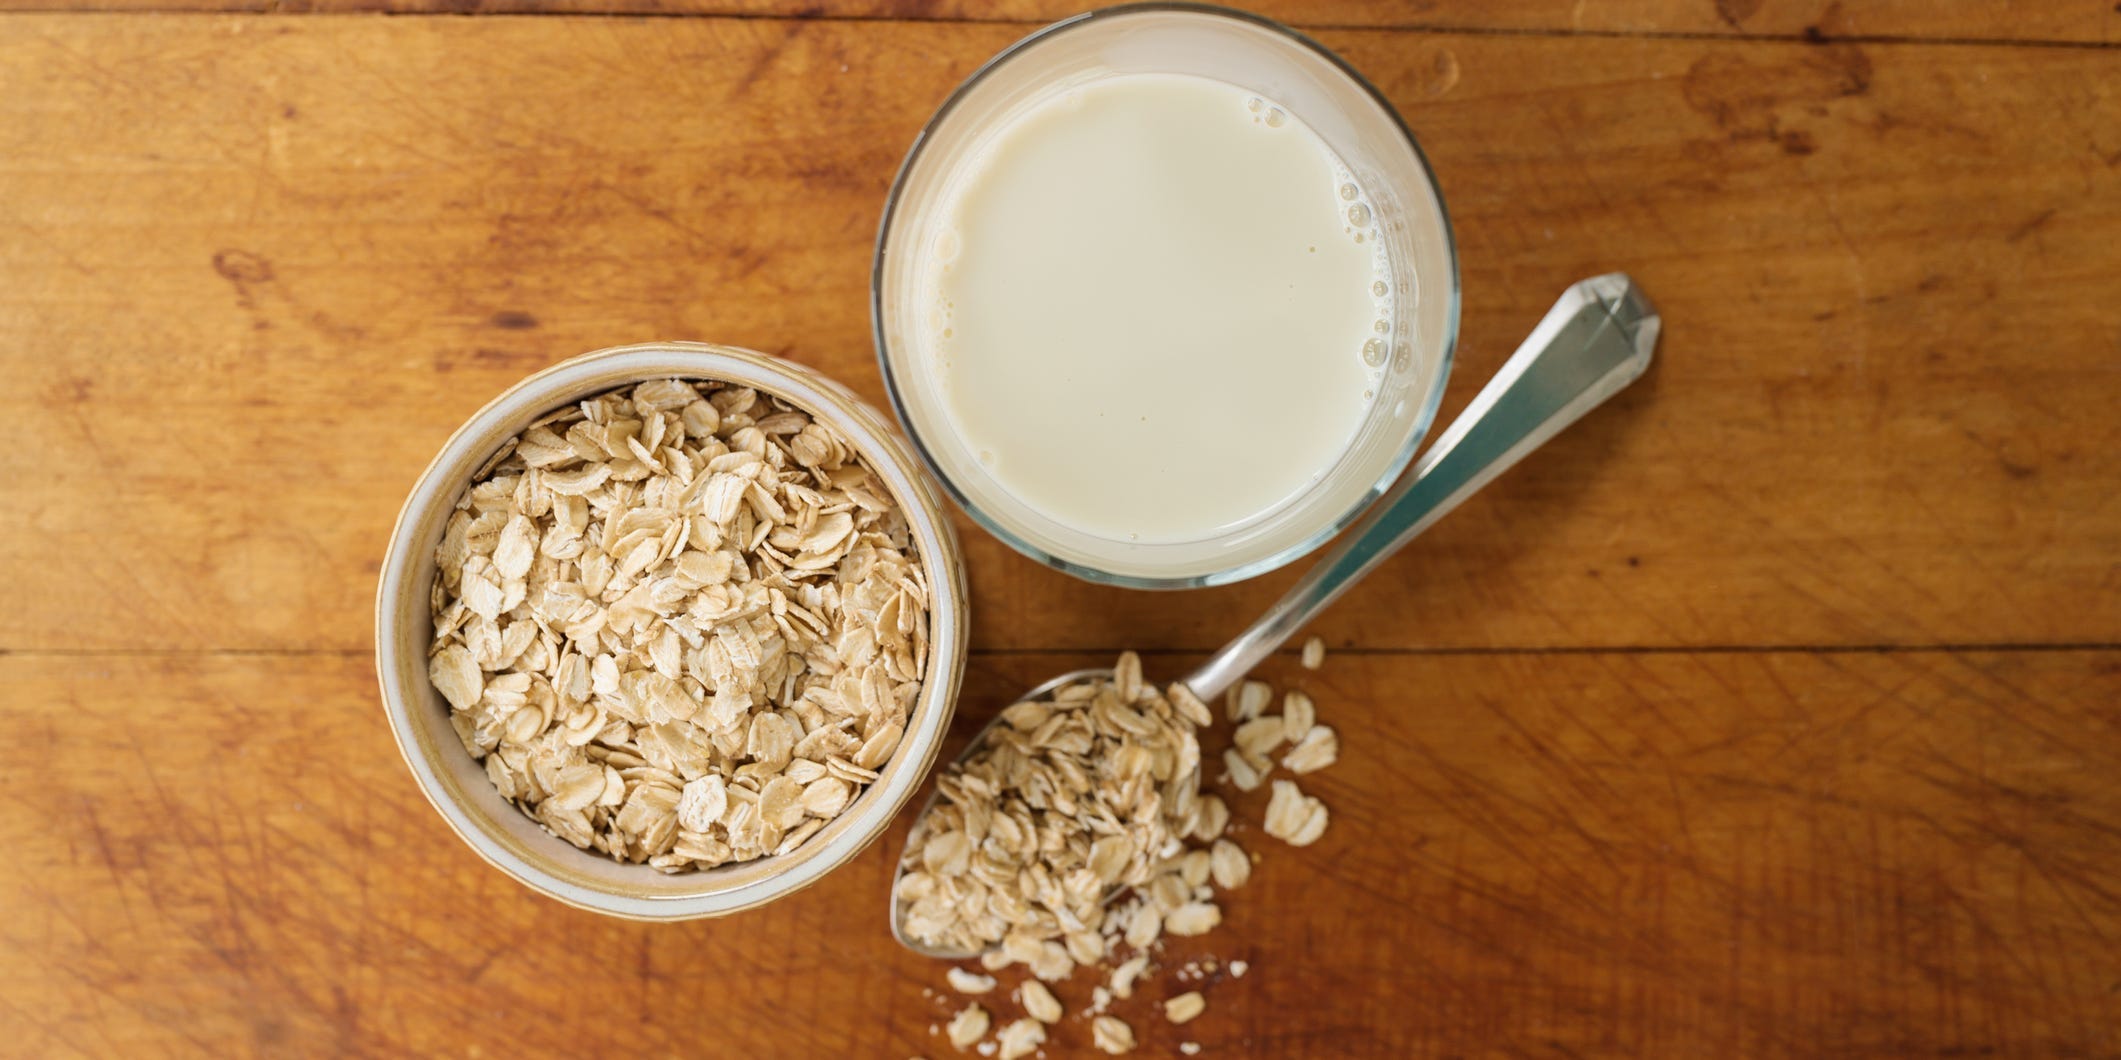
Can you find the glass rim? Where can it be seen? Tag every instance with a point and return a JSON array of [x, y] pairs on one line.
[[1424, 417]]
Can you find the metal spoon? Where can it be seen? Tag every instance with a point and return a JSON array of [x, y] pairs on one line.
[[1596, 340]]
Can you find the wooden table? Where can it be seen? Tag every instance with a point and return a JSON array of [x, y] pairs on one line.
[[1774, 710]]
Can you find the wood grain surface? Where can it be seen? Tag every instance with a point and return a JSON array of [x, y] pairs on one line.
[[1709, 854], [2052, 21], [1882, 417], [1770, 711]]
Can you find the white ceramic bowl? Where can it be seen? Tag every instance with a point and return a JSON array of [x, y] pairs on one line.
[[457, 785]]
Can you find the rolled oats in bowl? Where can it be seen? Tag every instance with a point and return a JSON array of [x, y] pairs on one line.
[[680, 623]]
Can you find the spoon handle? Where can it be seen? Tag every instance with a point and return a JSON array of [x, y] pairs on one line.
[[1596, 340]]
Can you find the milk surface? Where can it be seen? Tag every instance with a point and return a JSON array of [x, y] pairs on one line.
[[1158, 308]]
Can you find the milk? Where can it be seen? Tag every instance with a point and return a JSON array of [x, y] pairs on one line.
[[1158, 308]]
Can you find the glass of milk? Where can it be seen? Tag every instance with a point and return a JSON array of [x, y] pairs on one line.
[[1165, 295]]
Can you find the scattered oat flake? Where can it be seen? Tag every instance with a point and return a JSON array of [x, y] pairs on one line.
[[1239, 968], [1185, 1006], [1189, 1048], [1314, 653], [1020, 1038], [1298, 715], [1319, 749], [1112, 1035], [1256, 739], [1294, 817], [1039, 1002], [1192, 918], [965, 982], [1124, 976], [1247, 699], [968, 1026]]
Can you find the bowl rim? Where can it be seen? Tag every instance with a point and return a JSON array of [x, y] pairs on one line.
[[1424, 417], [873, 811]]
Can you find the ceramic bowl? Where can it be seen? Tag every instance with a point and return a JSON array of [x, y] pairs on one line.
[[457, 785]]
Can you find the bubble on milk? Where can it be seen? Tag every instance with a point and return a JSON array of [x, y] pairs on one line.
[[1349, 191], [1381, 326], [1276, 118], [1380, 289], [1359, 215], [1373, 352]]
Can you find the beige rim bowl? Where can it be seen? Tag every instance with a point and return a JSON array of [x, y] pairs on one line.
[[457, 785]]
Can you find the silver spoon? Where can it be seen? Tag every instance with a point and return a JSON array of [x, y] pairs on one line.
[[1596, 340]]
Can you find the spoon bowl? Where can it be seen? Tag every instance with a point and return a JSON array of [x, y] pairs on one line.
[[920, 819]]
